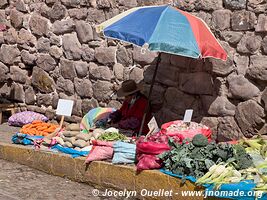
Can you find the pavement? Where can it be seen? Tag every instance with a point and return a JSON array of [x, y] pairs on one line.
[[103, 178], [6, 132], [20, 182]]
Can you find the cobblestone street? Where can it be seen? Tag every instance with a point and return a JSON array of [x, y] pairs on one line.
[[19, 182]]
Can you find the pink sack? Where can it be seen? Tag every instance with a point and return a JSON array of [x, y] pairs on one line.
[[99, 153], [148, 162], [147, 151], [102, 143], [152, 148]]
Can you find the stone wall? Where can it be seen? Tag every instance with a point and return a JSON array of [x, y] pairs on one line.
[[51, 51]]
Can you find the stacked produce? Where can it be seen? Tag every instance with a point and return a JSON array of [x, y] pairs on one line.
[[256, 145], [219, 174], [257, 149], [220, 163], [257, 171], [113, 136], [181, 126], [77, 140], [196, 157], [38, 127], [185, 129], [73, 138]]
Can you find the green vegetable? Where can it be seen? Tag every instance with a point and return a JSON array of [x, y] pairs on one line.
[[190, 160], [112, 137], [214, 171], [197, 157], [200, 140], [219, 174], [242, 159]]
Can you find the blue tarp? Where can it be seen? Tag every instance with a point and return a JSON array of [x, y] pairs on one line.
[[74, 153], [25, 139], [237, 191]]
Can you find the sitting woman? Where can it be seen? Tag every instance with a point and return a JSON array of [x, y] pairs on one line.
[[131, 113]]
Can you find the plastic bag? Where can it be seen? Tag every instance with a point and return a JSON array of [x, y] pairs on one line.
[[147, 151], [150, 147], [124, 153], [99, 153], [123, 158], [25, 117], [148, 162], [102, 143]]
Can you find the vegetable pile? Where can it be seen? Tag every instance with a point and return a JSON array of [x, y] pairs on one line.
[[242, 169], [218, 174], [181, 126], [112, 137], [257, 149], [256, 145], [38, 127], [195, 158]]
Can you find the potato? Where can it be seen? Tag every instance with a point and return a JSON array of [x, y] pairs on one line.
[[68, 144], [83, 136], [59, 140], [80, 143], [70, 139], [77, 148], [97, 132], [73, 127], [70, 133]]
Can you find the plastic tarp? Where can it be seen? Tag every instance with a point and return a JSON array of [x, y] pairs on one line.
[[74, 153], [21, 138], [96, 114]]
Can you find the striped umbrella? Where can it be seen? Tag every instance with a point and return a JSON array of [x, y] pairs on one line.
[[164, 29]]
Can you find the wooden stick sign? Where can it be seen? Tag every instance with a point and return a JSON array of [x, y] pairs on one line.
[[64, 108]]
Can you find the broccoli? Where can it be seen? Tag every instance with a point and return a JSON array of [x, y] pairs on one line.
[[200, 140], [242, 159], [239, 150], [224, 151]]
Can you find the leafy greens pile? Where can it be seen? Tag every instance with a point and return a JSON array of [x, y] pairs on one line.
[[112, 136], [196, 157]]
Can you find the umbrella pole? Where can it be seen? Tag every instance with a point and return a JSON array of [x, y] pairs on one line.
[[149, 94]]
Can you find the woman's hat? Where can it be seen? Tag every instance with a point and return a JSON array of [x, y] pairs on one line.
[[127, 88]]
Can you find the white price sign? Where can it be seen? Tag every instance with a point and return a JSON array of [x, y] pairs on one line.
[[188, 115], [153, 125], [64, 107]]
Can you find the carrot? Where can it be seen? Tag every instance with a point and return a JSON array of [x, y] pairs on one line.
[[38, 127], [37, 122], [45, 134], [41, 128], [50, 130], [24, 130], [26, 126], [29, 134]]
